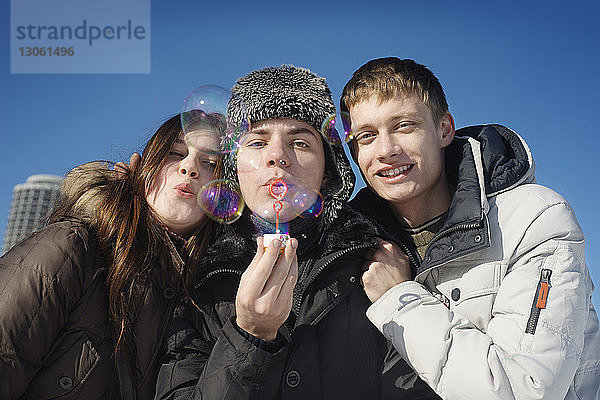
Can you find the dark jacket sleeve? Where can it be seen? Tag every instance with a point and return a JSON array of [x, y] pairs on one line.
[[40, 279], [230, 366]]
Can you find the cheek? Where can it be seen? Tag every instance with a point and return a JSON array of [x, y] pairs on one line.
[[206, 175], [246, 185], [153, 191], [363, 159], [158, 184]]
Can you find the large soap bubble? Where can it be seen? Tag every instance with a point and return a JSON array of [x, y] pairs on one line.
[[221, 200], [205, 112]]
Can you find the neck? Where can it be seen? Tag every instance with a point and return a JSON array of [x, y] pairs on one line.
[[263, 226], [303, 229], [425, 207]]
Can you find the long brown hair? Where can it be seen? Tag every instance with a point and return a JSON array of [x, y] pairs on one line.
[[134, 242]]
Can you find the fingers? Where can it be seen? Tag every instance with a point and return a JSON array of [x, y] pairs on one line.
[[281, 271], [260, 269], [122, 169], [260, 249], [287, 289], [385, 252], [135, 160]]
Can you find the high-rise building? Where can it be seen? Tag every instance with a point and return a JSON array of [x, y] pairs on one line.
[[31, 203]]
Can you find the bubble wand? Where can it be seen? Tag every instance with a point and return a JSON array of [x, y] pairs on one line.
[[277, 189]]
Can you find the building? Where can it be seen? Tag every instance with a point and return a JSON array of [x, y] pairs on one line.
[[31, 203]]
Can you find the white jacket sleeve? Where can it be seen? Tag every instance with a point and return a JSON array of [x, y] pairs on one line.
[[502, 361]]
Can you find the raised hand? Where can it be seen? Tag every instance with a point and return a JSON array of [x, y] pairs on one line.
[[123, 169], [264, 297], [386, 266]]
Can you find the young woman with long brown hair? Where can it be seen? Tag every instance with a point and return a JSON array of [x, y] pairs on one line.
[[84, 303]]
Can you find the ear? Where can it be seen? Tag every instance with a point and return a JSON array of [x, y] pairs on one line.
[[446, 129], [325, 179]]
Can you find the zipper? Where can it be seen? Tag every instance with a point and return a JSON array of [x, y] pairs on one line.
[[414, 260], [539, 301], [455, 228], [215, 272], [299, 296], [452, 229]]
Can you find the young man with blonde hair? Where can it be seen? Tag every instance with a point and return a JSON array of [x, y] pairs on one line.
[[481, 283]]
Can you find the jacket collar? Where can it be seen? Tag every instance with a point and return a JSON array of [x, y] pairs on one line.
[[234, 245]]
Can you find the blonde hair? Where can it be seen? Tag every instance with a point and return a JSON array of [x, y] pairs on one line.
[[386, 78]]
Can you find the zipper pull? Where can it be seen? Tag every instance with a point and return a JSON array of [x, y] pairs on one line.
[[543, 288], [539, 301]]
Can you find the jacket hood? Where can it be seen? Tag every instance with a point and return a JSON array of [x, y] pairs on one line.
[[483, 161], [505, 157]]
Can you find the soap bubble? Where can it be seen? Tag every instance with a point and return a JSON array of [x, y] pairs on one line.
[[307, 203], [328, 129], [347, 126], [295, 202], [205, 112], [221, 200], [248, 160]]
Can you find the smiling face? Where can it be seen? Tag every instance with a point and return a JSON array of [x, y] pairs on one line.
[[399, 149], [285, 149], [188, 166]]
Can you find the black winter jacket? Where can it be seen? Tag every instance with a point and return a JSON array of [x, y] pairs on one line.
[[326, 350]]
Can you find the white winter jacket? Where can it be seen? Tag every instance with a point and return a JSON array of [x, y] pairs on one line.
[[500, 307]]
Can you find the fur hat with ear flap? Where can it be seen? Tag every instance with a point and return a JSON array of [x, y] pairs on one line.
[[296, 93]]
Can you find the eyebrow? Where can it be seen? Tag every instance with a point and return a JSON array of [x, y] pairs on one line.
[[293, 131], [394, 118]]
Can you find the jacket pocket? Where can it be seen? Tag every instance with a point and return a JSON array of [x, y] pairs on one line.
[[70, 362], [471, 291]]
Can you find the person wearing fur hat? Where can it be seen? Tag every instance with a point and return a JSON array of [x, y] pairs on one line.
[[267, 323]]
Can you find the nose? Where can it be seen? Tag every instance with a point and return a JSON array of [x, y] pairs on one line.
[[189, 168], [387, 146], [277, 155]]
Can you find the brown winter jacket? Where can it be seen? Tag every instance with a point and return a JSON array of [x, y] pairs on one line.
[[55, 335]]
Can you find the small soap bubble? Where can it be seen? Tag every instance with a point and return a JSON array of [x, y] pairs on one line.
[[221, 200], [205, 113], [307, 203], [347, 126], [278, 189], [328, 129]]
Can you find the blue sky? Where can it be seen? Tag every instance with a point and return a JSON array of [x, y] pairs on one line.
[[532, 67]]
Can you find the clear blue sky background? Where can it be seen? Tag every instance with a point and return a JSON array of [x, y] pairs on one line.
[[530, 65]]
